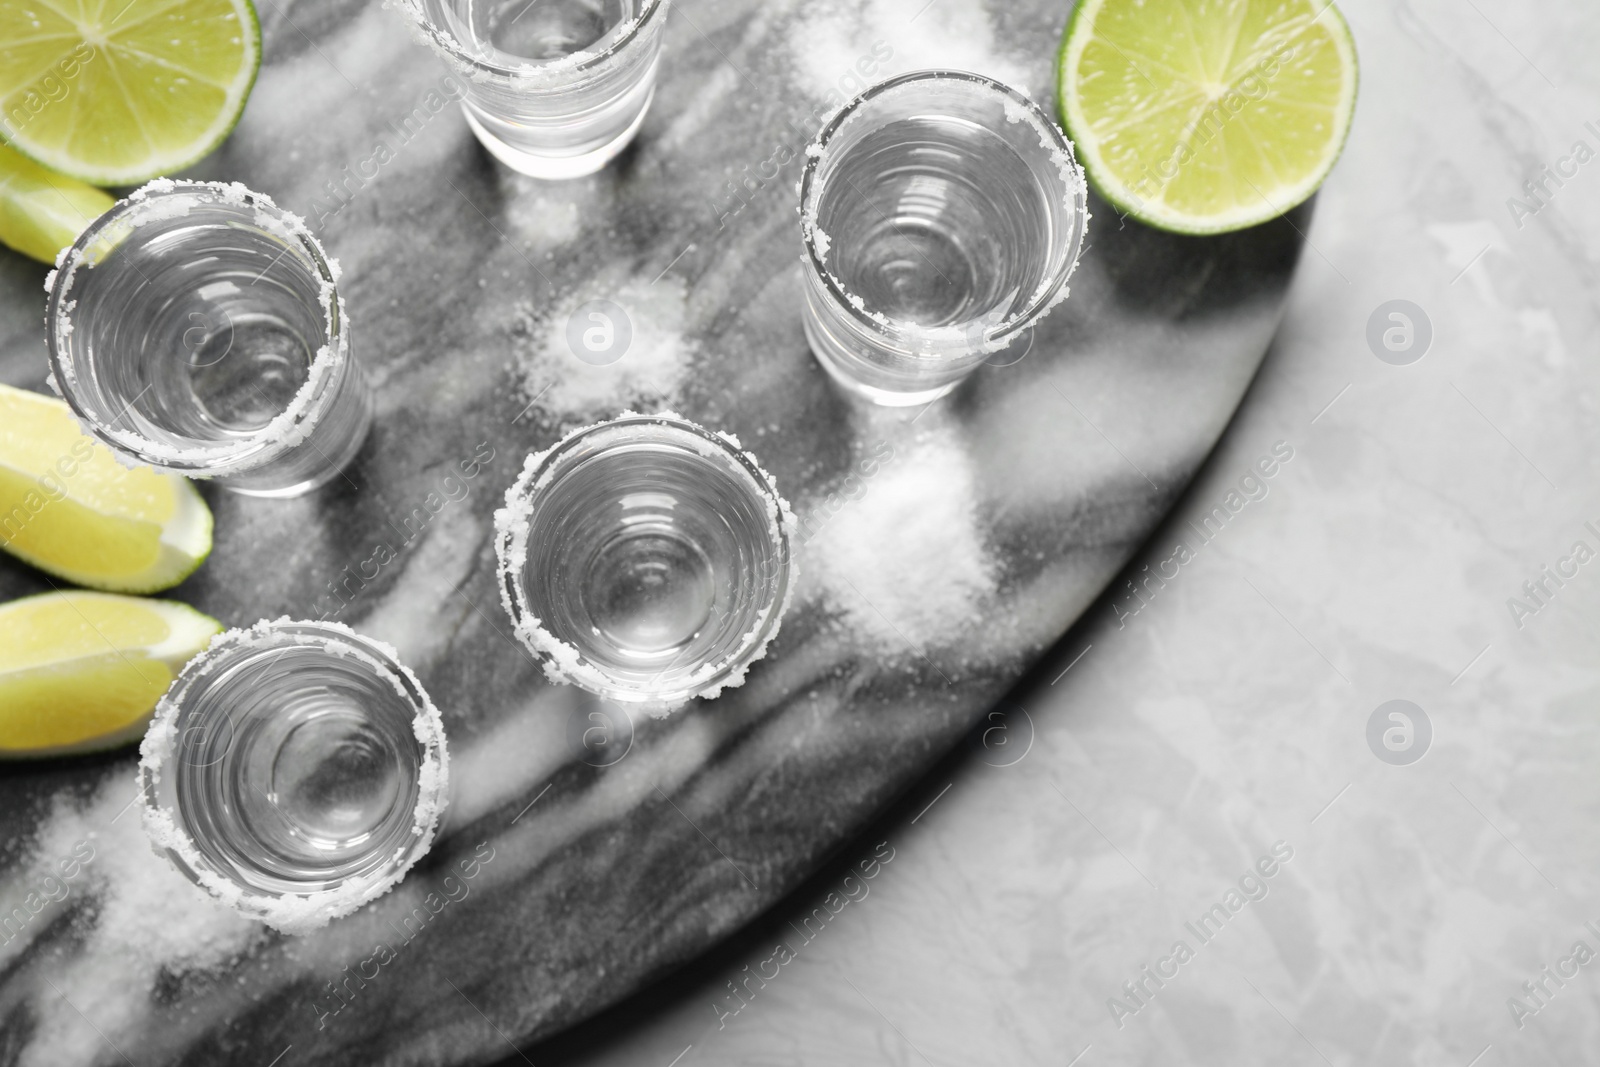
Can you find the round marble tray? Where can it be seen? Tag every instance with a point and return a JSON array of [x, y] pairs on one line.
[[945, 552]]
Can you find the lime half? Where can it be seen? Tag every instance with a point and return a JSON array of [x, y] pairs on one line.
[[115, 92], [68, 507], [1201, 116], [80, 672]]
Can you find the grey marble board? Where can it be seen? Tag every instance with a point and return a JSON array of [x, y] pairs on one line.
[[946, 550]]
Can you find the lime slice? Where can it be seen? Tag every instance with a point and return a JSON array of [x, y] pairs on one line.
[[1200, 118], [68, 507], [42, 212], [116, 92], [81, 672]]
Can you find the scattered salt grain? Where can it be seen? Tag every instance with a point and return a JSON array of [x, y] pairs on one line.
[[822, 242], [648, 372], [830, 36], [289, 427], [146, 921], [906, 562], [302, 913], [565, 664]]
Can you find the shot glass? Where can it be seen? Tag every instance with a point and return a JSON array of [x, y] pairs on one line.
[[554, 88], [942, 213], [295, 770], [645, 559], [196, 327]]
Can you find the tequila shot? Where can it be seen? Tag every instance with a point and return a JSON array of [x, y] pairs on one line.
[[295, 770], [195, 327], [942, 213], [554, 88], [645, 559]]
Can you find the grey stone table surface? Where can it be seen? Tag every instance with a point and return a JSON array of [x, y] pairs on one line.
[[946, 552], [1388, 561]]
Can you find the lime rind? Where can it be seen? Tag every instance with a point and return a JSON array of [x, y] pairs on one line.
[[185, 544], [106, 742], [184, 541], [1274, 200], [158, 161], [164, 199], [294, 913], [188, 633]]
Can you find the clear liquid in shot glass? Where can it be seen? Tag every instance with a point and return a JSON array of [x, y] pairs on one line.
[[942, 213], [294, 760], [646, 558], [554, 89], [186, 323]]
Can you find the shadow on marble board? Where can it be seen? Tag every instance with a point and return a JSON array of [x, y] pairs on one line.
[[1239, 264], [616, 890], [700, 984], [1144, 276]]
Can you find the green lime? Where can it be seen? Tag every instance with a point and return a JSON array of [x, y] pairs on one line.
[[42, 212], [116, 92], [1199, 117], [81, 672], [68, 507]]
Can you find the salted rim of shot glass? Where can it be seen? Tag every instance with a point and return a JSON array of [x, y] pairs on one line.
[[450, 47], [927, 342], [294, 913], [161, 200], [564, 663]]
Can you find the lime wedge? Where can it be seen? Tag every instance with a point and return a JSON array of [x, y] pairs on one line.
[[116, 92], [69, 508], [81, 672], [42, 212], [1199, 117]]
